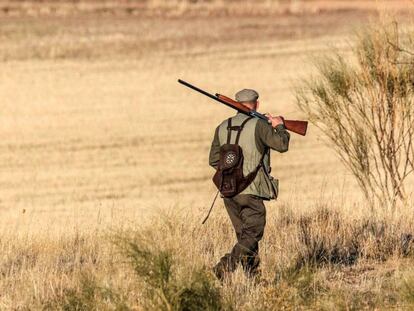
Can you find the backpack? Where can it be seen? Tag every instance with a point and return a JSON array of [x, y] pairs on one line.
[[229, 178]]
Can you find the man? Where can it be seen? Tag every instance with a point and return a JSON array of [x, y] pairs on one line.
[[246, 210]]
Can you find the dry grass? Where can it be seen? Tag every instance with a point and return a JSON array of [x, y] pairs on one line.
[[311, 260], [97, 138]]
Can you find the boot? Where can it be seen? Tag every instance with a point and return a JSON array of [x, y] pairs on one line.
[[226, 265], [251, 266]]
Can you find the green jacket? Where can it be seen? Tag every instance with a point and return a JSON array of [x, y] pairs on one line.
[[256, 137]]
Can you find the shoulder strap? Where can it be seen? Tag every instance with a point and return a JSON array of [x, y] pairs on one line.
[[267, 173], [252, 175], [228, 130], [262, 159], [235, 128], [241, 128]]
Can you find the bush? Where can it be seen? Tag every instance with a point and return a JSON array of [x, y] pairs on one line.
[[365, 106], [164, 290], [88, 296]]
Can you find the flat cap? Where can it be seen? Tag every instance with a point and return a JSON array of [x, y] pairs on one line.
[[247, 95]]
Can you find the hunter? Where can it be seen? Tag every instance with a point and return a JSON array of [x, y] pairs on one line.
[[246, 209]]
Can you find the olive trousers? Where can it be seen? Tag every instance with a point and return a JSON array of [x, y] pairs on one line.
[[248, 216]]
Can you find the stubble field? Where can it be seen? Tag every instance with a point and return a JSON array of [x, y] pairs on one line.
[[97, 138]]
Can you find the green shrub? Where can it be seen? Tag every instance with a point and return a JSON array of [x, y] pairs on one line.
[[88, 297], [164, 289], [364, 104]]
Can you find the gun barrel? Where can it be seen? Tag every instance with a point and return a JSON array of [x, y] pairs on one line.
[[208, 94], [196, 89]]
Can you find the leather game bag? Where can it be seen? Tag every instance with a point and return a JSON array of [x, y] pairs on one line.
[[229, 178]]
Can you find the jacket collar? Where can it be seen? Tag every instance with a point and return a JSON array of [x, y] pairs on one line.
[[241, 116]]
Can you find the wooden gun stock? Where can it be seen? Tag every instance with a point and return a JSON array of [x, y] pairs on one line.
[[232, 102], [295, 126]]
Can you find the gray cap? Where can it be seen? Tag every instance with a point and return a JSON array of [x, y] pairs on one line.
[[247, 95]]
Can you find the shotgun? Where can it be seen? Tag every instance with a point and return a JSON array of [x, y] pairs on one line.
[[295, 126]]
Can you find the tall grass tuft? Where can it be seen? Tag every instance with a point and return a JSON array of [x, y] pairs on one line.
[[318, 246], [164, 289], [325, 238], [89, 296], [364, 104]]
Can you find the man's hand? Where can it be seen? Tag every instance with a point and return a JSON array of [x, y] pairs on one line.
[[275, 121]]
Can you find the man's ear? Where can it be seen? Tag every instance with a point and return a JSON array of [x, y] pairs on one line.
[[257, 105]]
